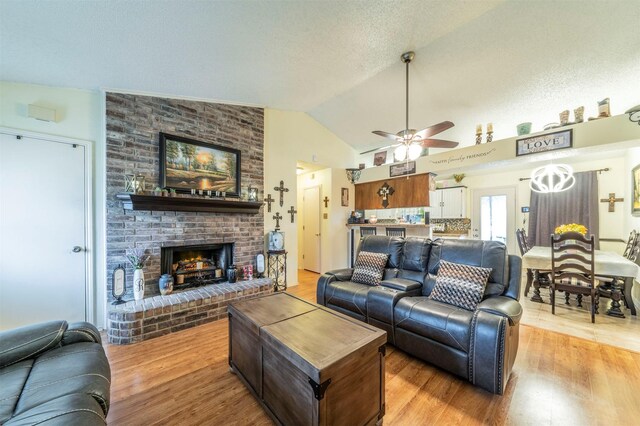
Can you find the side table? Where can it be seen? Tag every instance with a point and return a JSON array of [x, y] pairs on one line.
[[277, 268]]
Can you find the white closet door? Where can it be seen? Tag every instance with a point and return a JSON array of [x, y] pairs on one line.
[[43, 257]]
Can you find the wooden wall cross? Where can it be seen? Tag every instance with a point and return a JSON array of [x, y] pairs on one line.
[[292, 212], [277, 218], [385, 192], [326, 201], [269, 200], [612, 200], [282, 190]]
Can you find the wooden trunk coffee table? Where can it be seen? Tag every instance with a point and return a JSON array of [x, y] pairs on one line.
[[306, 364]]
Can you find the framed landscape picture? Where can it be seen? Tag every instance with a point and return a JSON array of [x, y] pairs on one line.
[[635, 190], [187, 164]]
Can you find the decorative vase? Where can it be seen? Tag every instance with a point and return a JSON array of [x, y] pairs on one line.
[[138, 284], [232, 274], [165, 284]]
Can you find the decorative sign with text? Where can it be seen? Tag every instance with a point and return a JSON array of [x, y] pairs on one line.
[[544, 143]]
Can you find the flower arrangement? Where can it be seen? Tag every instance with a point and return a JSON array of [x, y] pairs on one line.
[[136, 257], [571, 227]]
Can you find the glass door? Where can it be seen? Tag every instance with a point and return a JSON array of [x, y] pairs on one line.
[[494, 215]]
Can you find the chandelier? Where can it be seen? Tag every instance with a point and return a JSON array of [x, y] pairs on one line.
[[552, 178]]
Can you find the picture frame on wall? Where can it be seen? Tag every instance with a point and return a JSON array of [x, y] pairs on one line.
[[379, 158], [402, 169], [635, 191], [344, 198], [187, 164], [544, 143]]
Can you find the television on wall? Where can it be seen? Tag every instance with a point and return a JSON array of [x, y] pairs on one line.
[[187, 164]]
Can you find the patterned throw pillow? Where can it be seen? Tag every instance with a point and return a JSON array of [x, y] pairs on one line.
[[369, 268], [460, 285]]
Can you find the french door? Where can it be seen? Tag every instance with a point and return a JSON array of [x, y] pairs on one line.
[[494, 215]]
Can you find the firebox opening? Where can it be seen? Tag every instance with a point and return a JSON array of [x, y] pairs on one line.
[[197, 265]]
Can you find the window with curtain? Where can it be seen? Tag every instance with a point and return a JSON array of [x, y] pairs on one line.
[[579, 204]]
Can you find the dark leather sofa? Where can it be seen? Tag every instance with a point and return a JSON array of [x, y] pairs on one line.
[[53, 374], [479, 345]]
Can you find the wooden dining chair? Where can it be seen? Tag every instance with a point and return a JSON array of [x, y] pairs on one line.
[[367, 230], [634, 238], [607, 283], [533, 275], [396, 232], [572, 268]]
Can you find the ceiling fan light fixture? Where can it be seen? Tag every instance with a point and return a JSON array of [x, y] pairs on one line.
[[400, 153], [552, 178], [415, 149]]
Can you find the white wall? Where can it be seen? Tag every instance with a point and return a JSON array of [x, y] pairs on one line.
[[79, 115], [291, 137]]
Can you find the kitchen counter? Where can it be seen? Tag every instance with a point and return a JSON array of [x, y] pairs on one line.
[[389, 225]]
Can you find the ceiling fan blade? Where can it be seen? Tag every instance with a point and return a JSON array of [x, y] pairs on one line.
[[387, 135], [433, 130], [379, 149], [438, 143]]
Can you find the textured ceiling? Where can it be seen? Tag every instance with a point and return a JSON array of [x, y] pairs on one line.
[[477, 61]]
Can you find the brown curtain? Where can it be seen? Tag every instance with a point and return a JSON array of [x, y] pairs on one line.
[[576, 205]]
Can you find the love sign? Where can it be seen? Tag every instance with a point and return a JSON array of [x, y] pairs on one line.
[[543, 143]]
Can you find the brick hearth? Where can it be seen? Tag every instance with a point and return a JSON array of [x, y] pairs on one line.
[[156, 316]]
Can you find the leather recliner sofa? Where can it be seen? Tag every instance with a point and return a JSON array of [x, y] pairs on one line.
[[54, 374], [479, 345]]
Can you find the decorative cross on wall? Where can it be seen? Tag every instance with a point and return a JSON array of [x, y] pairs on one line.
[[277, 218], [385, 192], [612, 200], [326, 201], [282, 190], [292, 212], [269, 200]]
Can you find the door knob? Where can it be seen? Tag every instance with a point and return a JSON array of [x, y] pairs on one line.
[[77, 249], [317, 235]]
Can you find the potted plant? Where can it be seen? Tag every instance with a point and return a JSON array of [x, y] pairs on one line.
[[137, 259]]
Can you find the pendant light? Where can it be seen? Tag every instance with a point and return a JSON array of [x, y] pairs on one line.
[[552, 178]]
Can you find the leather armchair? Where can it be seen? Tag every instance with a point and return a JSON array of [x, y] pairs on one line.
[[53, 373]]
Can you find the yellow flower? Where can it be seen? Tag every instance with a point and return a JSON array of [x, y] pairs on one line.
[[571, 227]]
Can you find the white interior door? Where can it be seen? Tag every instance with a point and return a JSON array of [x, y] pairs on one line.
[[43, 237], [494, 215], [311, 229]]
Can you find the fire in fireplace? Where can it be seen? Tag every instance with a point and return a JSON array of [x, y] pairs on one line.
[[197, 265]]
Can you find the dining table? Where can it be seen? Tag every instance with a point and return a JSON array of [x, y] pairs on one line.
[[606, 264]]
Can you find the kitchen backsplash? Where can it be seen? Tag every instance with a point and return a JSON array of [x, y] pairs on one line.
[[452, 225]]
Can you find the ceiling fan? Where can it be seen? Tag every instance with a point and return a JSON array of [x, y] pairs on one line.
[[409, 142]]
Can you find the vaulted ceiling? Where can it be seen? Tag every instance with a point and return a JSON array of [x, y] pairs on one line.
[[476, 61]]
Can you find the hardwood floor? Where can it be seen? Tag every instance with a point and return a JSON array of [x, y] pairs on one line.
[[184, 379]]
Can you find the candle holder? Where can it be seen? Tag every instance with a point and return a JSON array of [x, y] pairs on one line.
[[478, 134], [489, 136]]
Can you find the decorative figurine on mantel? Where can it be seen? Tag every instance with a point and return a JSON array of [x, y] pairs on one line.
[[564, 117], [578, 114], [604, 110], [478, 134], [489, 132]]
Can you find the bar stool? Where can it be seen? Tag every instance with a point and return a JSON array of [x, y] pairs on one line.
[[367, 230], [396, 232]]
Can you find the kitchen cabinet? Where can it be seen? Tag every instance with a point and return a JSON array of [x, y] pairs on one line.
[[406, 192], [449, 203]]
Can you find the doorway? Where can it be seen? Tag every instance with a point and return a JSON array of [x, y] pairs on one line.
[[494, 215], [311, 228], [45, 229]]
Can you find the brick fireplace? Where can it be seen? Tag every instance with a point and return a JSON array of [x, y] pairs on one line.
[[133, 124], [196, 265]]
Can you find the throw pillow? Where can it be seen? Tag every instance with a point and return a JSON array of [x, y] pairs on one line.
[[460, 285], [369, 268]]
